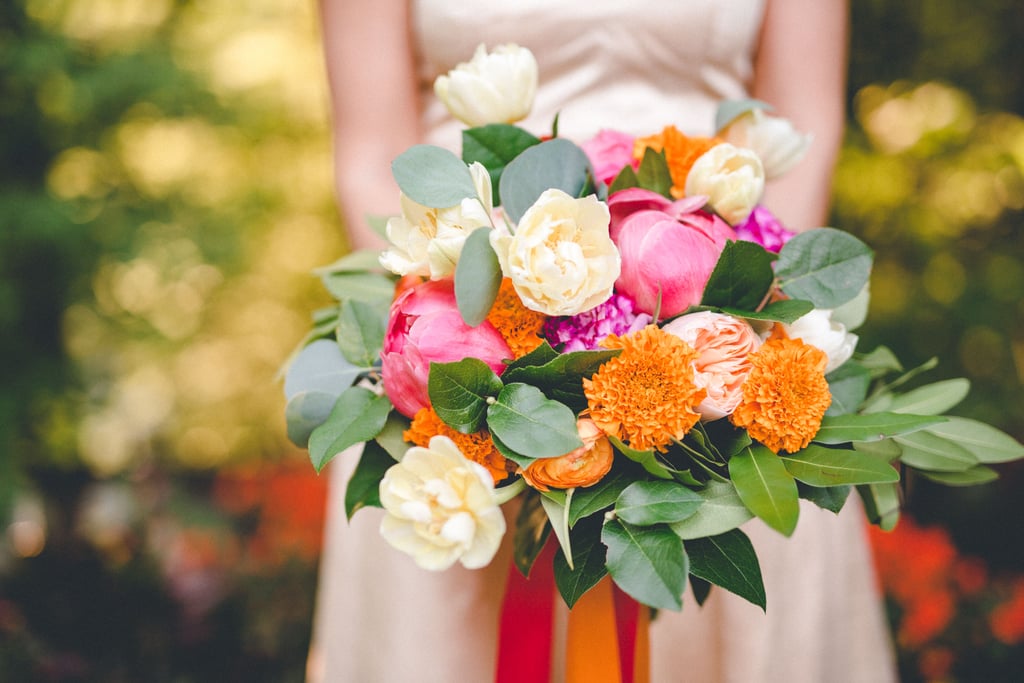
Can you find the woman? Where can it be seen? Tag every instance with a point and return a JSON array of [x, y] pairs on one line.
[[634, 67]]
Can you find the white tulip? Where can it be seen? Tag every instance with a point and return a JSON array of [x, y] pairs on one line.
[[732, 179], [774, 139], [561, 260], [818, 329], [428, 242], [495, 87], [440, 508]]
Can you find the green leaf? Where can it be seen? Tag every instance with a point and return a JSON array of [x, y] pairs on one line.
[[979, 474], [555, 164], [561, 377], [373, 288], [378, 224], [625, 180], [729, 561], [320, 367], [701, 589], [881, 504], [304, 412], [881, 361], [766, 488], [741, 277], [985, 442], [558, 516], [459, 391], [849, 387], [728, 439], [354, 261], [391, 436], [358, 415], [931, 399], [532, 531], [721, 511], [927, 451], [831, 498], [593, 499], [364, 487], [827, 267], [644, 503], [870, 427], [787, 311], [653, 173], [646, 459], [539, 356], [433, 176], [886, 448], [820, 466], [494, 146], [649, 563], [361, 332], [588, 561], [477, 277], [529, 423], [730, 110]]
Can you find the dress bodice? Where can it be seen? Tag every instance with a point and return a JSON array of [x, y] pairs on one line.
[[634, 67]]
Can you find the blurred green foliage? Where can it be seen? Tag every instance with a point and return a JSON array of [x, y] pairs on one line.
[[166, 190]]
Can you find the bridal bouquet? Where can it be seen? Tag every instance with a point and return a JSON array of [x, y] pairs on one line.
[[620, 336]]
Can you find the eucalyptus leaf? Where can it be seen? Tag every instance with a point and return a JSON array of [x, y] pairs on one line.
[[555, 164], [373, 288], [433, 176], [459, 392], [721, 511], [741, 277], [729, 561], [827, 267], [820, 466], [985, 442], [363, 488], [477, 277], [494, 146], [766, 487], [588, 561], [927, 451], [320, 366], [979, 474], [653, 173], [644, 503], [361, 332], [881, 504], [647, 563], [358, 415], [529, 423], [730, 110], [871, 427], [304, 412], [931, 399]]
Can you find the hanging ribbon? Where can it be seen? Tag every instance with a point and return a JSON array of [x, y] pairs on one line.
[[606, 641]]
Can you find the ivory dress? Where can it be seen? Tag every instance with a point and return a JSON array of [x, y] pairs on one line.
[[632, 66]]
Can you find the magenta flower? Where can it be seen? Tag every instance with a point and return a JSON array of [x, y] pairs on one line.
[[586, 330], [424, 327], [763, 228]]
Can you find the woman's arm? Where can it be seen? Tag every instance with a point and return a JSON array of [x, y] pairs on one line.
[[801, 70], [374, 101]]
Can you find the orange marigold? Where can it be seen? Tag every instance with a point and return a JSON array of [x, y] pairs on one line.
[[785, 396], [645, 396], [517, 324], [680, 150], [477, 447]]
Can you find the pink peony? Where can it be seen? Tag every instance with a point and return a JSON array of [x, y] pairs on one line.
[[667, 253], [624, 203], [723, 345], [762, 227], [609, 151], [424, 327]]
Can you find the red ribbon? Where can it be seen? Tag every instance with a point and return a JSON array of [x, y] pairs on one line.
[[527, 622]]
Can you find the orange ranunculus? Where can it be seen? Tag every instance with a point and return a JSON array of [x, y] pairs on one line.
[[584, 466]]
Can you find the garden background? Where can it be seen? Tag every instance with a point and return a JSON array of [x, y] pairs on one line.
[[166, 191]]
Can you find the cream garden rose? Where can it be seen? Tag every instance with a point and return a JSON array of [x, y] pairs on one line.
[[560, 259], [440, 508], [723, 344], [495, 87], [818, 329], [732, 179], [774, 139], [428, 242]]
